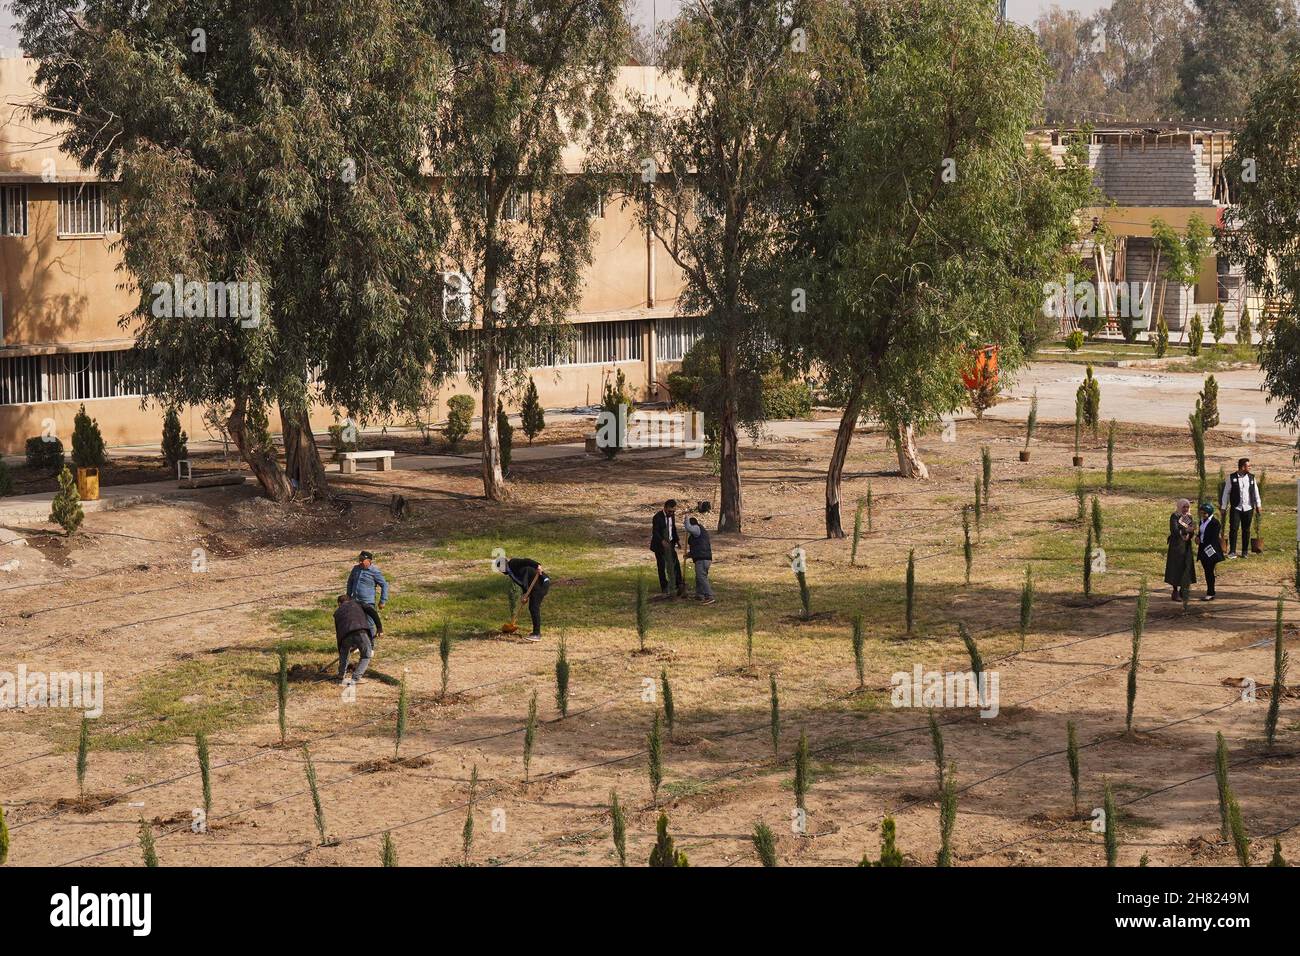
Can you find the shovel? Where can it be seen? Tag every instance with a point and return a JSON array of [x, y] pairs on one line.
[[510, 627]]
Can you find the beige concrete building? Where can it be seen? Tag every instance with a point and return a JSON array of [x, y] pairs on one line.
[[63, 295]]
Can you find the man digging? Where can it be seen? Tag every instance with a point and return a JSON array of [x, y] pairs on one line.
[[352, 631]]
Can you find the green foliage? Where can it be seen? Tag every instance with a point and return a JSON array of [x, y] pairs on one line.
[[869, 507], [65, 509], [1087, 565], [1277, 859], [859, 663], [1111, 836], [1110, 455], [890, 855], [175, 443], [87, 442], [1088, 399], [1074, 341], [643, 609], [911, 589], [45, 455], [664, 853], [1026, 605], [1080, 498], [505, 436], [467, 831], [205, 770], [83, 755], [1096, 518], [1078, 419], [1197, 428], [1031, 423], [317, 808], [282, 691], [1296, 580], [936, 741], [1244, 334], [1195, 335], [765, 394], [1160, 340], [145, 836], [403, 706], [531, 414], [1281, 660], [977, 506], [1207, 403], [618, 828], [669, 707], [802, 772], [460, 418], [530, 734], [616, 397], [972, 651], [444, 655], [947, 817], [1237, 826], [1221, 783], [1218, 327], [4, 838], [986, 470], [562, 679], [388, 853], [764, 844], [655, 757], [1072, 761], [774, 716]]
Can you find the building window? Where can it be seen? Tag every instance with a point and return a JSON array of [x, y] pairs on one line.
[[87, 209], [13, 211], [674, 338], [598, 206], [65, 377], [601, 343]]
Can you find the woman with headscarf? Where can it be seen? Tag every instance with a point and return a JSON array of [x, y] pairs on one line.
[[1180, 559]]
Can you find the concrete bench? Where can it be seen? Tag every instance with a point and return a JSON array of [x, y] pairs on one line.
[[383, 460]]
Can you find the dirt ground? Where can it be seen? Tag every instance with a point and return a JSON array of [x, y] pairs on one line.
[[182, 607]]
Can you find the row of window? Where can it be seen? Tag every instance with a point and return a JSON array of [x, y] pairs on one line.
[[85, 209], [66, 377]]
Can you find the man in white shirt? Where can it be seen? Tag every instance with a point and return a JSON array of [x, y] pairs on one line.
[[1240, 501]]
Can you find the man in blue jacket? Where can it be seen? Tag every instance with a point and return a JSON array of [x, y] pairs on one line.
[[366, 586]]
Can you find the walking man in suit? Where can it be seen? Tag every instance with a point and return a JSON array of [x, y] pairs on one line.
[[664, 543], [1209, 540], [1241, 502]]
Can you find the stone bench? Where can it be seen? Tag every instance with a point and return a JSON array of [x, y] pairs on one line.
[[348, 460]]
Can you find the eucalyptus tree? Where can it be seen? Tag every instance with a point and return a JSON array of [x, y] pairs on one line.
[[709, 165], [268, 154], [933, 230], [528, 79]]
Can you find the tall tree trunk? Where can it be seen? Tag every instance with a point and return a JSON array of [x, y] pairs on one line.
[[494, 481], [261, 459], [909, 459], [839, 454], [301, 456], [728, 433]]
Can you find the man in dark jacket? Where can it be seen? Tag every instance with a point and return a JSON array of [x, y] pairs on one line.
[[1207, 550], [1241, 502], [699, 550], [664, 543], [352, 631], [524, 572]]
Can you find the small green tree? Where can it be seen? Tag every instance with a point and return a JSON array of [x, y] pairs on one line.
[[388, 851], [1277, 859], [1110, 456], [317, 808], [986, 471], [403, 704], [1096, 518], [1195, 335], [870, 508], [947, 817], [1281, 660], [175, 443], [802, 772], [460, 417], [1244, 334], [749, 628], [147, 850], [562, 679], [664, 853], [467, 831], [1078, 420], [4, 838], [1240, 839], [87, 442], [911, 589], [532, 417], [615, 398], [618, 828], [889, 852], [1031, 423], [1208, 403], [1139, 627], [977, 506], [444, 657], [1218, 327], [505, 435], [972, 651], [1111, 823], [774, 717], [65, 509], [764, 844], [655, 757], [936, 741], [83, 755], [1221, 783], [1088, 398], [205, 770], [857, 533], [282, 691], [1087, 565], [968, 550], [669, 708], [1197, 427], [530, 735], [642, 609], [859, 640], [1026, 605], [1072, 761], [1160, 340]]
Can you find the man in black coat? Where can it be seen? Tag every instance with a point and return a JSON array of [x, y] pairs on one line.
[[1241, 502], [1208, 548], [352, 631], [664, 543], [529, 577]]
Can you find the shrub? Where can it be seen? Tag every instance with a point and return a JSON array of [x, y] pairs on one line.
[[1195, 335], [460, 416], [505, 435], [1160, 341], [785, 398], [1089, 400], [65, 509], [532, 417], [1218, 328], [45, 454], [388, 854], [664, 853], [889, 852], [764, 844], [1074, 341], [147, 851], [615, 397], [175, 443], [87, 442]]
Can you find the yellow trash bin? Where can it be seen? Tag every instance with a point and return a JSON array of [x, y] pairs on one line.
[[88, 484]]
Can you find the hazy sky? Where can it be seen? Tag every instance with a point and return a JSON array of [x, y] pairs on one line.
[[1022, 10]]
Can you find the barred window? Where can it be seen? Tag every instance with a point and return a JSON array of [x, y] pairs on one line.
[[66, 377], [87, 209], [600, 343], [13, 211], [674, 338]]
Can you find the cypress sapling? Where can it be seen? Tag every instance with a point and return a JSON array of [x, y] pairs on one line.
[[978, 509], [802, 778], [1110, 455], [1026, 605], [1096, 519], [1080, 497], [967, 551], [205, 770], [857, 534], [315, 796], [282, 692], [750, 617], [1221, 783], [775, 717], [1281, 660], [664, 852], [1087, 565], [805, 596], [388, 852], [655, 751], [147, 850], [986, 468], [444, 655], [467, 831], [1111, 837], [618, 828], [1277, 860], [859, 664], [642, 610], [669, 710], [947, 817], [870, 508], [4, 838], [1072, 761], [530, 735], [890, 855], [911, 589], [562, 679], [83, 756], [764, 844], [936, 740], [1240, 839], [403, 704]]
